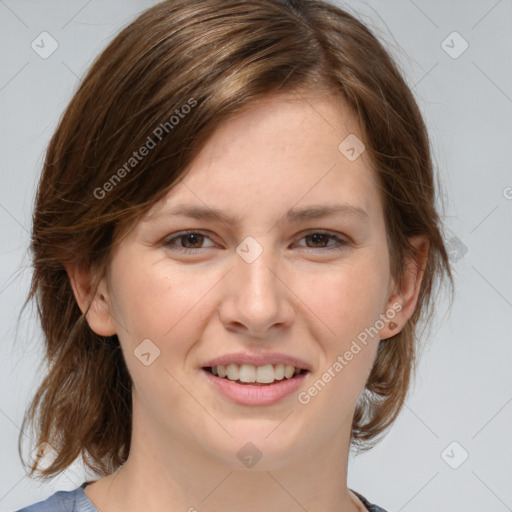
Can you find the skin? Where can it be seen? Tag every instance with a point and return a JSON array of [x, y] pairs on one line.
[[298, 297]]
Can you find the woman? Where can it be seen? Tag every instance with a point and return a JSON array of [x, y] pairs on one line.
[[234, 239]]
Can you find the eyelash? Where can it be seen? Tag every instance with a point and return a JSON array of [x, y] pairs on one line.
[[341, 243]]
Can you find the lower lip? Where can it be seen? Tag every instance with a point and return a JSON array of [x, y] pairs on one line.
[[248, 394]]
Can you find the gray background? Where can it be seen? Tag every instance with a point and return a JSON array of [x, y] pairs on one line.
[[463, 393]]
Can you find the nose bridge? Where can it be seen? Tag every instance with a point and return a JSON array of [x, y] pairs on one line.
[[256, 267], [259, 298]]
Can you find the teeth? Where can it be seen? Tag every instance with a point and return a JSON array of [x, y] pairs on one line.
[[232, 372], [288, 371], [265, 374], [279, 371], [247, 373]]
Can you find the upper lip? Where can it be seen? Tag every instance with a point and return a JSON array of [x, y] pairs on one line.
[[257, 360]]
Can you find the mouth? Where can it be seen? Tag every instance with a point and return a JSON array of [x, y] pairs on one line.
[[251, 385], [264, 375]]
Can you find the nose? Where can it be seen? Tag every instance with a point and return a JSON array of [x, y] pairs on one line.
[[257, 299]]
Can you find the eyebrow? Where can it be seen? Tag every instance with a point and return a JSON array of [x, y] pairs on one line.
[[292, 216]]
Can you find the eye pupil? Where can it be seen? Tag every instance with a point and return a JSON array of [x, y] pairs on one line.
[[318, 238], [192, 238]]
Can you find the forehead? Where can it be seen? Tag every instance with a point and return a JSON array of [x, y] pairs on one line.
[[282, 152]]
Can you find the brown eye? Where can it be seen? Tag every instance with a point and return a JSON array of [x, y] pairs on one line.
[[188, 241], [319, 240], [192, 239]]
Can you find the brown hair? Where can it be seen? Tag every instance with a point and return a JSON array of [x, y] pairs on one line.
[[217, 57]]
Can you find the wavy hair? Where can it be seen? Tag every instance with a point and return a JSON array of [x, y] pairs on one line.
[[224, 55]]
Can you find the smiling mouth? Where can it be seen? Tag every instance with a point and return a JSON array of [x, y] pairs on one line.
[[297, 372]]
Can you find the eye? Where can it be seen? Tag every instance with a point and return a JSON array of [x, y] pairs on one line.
[[319, 238], [189, 238]]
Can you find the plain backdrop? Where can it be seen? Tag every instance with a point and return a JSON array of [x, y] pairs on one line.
[[450, 448]]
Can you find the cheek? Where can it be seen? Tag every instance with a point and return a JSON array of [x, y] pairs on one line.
[[163, 305], [166, 304], [346, 299], [150, 297]]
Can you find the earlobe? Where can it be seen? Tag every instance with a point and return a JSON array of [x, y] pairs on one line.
[[405, 296], [94, 303]]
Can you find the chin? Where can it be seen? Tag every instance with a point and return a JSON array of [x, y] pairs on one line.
[[257, 445]]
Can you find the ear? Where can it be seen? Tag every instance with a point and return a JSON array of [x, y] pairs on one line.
[[95, 304], [404, 297]]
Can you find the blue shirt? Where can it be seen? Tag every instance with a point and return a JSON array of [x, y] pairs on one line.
[[77, 501]]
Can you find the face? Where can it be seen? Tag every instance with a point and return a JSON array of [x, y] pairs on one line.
[[266, 283]]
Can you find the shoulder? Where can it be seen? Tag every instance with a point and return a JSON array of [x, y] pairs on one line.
[[371, 507], [63, 501]]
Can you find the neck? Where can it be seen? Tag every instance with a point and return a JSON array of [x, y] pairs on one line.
[[162, 474]]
